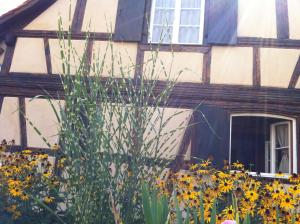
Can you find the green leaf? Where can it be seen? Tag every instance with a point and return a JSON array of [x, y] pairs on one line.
[[179, 218], [202, 221], [213, 214]]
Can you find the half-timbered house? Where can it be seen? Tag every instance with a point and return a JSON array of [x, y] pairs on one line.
[[242, 55]]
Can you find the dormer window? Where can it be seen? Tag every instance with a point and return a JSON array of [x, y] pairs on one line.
[[177, 21]]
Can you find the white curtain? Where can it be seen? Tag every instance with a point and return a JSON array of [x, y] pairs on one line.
[[282, 140], [163, 21], [189, 27]]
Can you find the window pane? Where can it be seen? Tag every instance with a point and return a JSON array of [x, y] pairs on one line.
[[190, 3], [190, 17], [165, 3], [282, 135], [162, 34], [282, 160], [164, 17], [188, 35]]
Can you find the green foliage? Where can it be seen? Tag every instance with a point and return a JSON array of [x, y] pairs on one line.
[[155, 206]]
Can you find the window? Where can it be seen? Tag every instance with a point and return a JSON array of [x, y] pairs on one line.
[[177, 21], [280, 153], [264, 143]]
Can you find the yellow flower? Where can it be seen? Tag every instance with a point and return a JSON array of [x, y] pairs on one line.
[[194, 167], [226, 186], [24, 197], [27, 151], [12, 183], [205, 163], [251, 195], [228, 213], [237, 165], [48, 199], [15, 192], [55, 147], [287, 203]]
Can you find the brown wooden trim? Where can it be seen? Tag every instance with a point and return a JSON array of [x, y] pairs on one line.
[[54, 34], [175, 47], [139, 64], [185, 141], [282, 20], [206, 67], [256, 66], [295, 75], [23, 128], [78, 16], [188, 94], [9, 53], [48, 55]]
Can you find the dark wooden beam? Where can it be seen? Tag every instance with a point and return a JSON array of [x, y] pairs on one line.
[[295, 75], [78, 16], [9, 53], [282, 19], [1, 102], [242, 41], [54, 34], [25, 84], [268, 42], [23, 128], [183, 147], [48, 55], [256, 66], [206, 67]]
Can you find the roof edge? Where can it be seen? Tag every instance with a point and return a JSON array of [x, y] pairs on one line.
[[23, 14]]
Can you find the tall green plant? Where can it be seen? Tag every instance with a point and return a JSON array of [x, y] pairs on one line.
[[113, 133]]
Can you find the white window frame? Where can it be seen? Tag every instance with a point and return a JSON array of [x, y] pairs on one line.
[[176, 24], [293, 141], [273, 144]]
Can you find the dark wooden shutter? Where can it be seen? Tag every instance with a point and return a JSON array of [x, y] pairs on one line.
[[212, 133], [221, 24], [129, 22]]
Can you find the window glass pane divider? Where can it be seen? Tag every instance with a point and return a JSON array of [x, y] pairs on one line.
[[175, 36]]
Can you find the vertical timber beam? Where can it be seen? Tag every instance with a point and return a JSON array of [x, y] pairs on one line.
[[23, 128], [295, 75], [78, 16], [282, 19], [48, 56], [8, 57], [206, 67], [1, 102], [256, 67]]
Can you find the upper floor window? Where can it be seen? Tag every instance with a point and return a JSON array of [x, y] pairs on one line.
[[177, 21]]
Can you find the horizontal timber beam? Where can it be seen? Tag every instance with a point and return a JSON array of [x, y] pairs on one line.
[[242, 41], [185, 94], [54, 34]]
